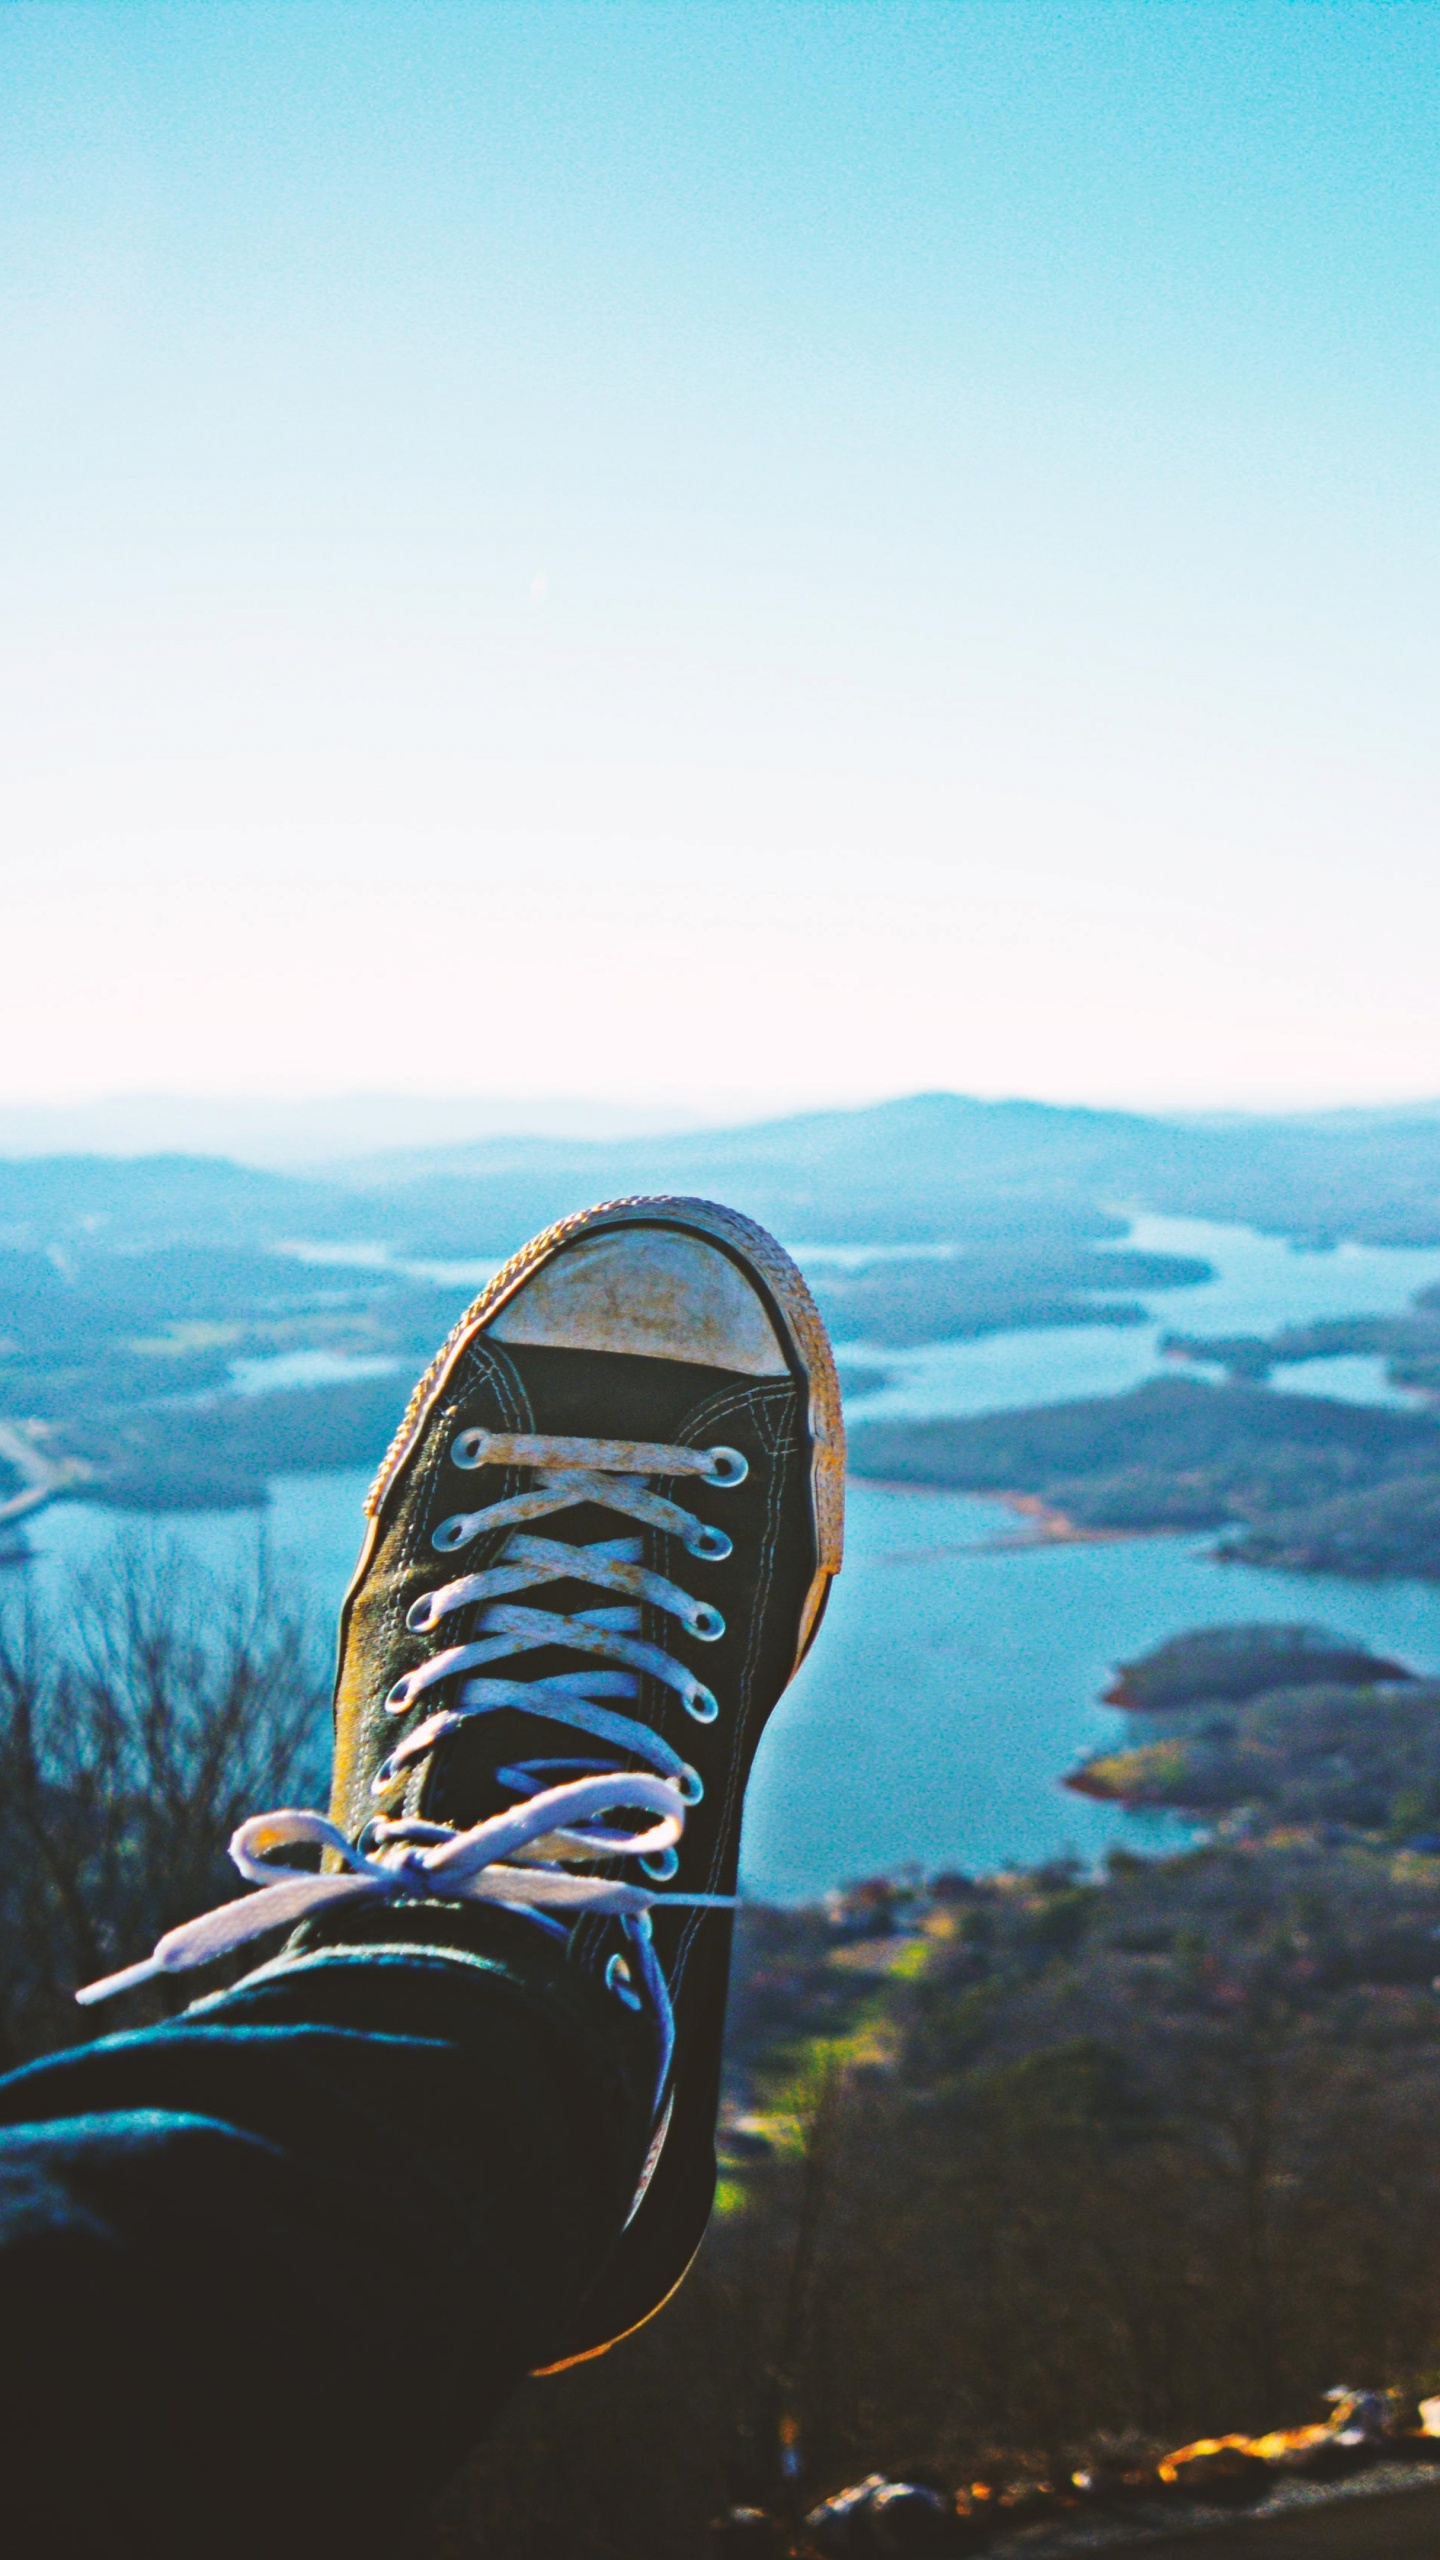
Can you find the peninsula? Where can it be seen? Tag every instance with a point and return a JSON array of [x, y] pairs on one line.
[[1306, 1482]]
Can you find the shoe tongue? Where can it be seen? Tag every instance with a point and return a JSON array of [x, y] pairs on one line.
[[614, 1395]]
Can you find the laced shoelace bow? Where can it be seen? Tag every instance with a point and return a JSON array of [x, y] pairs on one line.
[[528, 1857]]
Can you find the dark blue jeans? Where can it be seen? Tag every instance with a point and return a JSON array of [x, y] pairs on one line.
[[266, 2271]]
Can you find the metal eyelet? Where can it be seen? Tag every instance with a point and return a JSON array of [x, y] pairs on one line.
[[452, 1533], [367, 1841], [709, 1546], [384, 1779], [399, 1697], [617, 1979], [727, 1466], [702, 1703], [417, 1616], [690, 1785], [706, 1623], [662, 1866], [468, 1448]]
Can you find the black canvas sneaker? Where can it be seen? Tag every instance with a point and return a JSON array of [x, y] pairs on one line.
[[598, 1549]]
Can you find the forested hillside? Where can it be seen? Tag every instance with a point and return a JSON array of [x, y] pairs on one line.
[[1305, 1481]]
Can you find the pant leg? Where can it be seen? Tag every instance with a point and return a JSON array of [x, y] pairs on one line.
[[267, 2270]]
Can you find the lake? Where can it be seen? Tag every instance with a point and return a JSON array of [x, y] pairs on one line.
[[958, 1672], [1261, 1283]]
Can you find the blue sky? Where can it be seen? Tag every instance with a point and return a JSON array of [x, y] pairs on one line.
[[719, 555]]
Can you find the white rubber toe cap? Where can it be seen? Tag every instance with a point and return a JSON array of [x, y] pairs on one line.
[[651, 1290]]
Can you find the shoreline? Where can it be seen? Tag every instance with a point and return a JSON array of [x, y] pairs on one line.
[[1049, 1524], [1052, 1527]]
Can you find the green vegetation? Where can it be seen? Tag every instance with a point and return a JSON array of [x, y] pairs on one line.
[[138, 1725], [54, 1306], [1212, 1666], [122, 1204], [1389, 1528], [1302, 1481], [1408, 1344], [1274, 1727], [220, 1455], [996, 1288], [125, 1359], [1101, 2164], [1359, 1758]]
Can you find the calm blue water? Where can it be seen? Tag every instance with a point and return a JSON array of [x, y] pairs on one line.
[[1261, 1283], [957, 1675]]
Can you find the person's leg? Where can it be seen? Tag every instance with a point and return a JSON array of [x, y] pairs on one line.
[[283, 2259]]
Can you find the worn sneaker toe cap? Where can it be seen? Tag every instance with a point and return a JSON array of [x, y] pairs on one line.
[[655, 1291]]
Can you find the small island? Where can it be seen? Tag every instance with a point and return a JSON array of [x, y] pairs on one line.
[[1409, 1345], [1278, 1730], [1209, 1666], [997, 1286]]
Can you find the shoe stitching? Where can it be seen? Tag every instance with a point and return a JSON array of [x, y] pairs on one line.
[[426, 1475], [482, 1367], [384, 1633], [766, 1406], [374, 1639]]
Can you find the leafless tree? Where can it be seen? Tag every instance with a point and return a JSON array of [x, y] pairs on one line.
[[142, 1716]]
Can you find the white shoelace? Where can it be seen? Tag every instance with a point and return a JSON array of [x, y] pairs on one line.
[[525, 1858]]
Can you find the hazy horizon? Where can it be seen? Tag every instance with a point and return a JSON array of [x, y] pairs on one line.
[[299, 1130]]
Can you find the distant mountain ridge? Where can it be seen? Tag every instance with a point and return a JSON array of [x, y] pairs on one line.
[[1011, 1134], [290, 1136], [930, 1167]]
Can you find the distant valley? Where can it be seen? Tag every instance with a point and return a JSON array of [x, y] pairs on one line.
[[136, 1292]]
